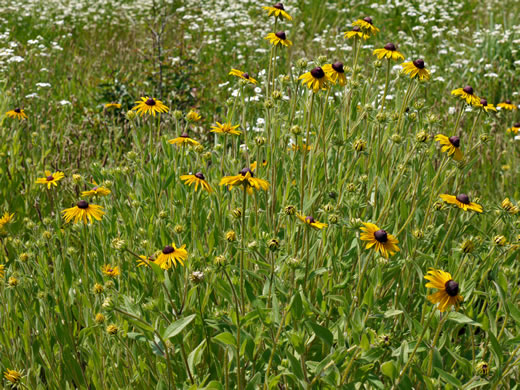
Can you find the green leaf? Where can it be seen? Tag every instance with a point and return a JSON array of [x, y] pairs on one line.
[[449, 378], [226, 338], [322, 332], [460, 318], [389, 369], [175, 328], [495, 348], [392, 313], [513, 311]]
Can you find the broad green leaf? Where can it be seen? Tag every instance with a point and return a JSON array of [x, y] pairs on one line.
[[176, 327]]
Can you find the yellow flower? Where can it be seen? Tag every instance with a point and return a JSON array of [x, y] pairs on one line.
[[112, 329], [17, 113], [51, 178], [450, 145], [246, 179], [144, 261], [13, 376], [110, 271], [183, 139], [366, 25], [6, 218], [225, 128], [514, 129], [193, 116], [316, 79], [416, 68], [171, 255], [109, 106], [278, 38], [148, 105], [462, 201], [254, 164], [335, 73], [356, 32], [2, 270], [311, 221], [379, 239], [507, 105], [83, 211], [96, 191], [197, 178], [278, 10], [467, 94], [389, 51], [484, 105], [242, 75], [448, 290]]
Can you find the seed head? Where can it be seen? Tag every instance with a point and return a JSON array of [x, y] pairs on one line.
[[317, 73], [468, 89], [281, 35], [452, 288], [381, 236], [455, 141]]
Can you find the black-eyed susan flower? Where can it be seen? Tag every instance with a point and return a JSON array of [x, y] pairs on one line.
[[448, 290], [225, 128], [311, 221], [450, 145], [83, 211], [366, 24], [483, 368], [193, 116], [382, 241], [183, 139], [144, 261], [514, 129], [467, 94], [356, 33], [389, 51], [171, 255], [279, 38], [96, 191], [484, 105], [246, 179], [13, 376], [112, 106], [507, 105], [2, 270], [17, 113], [148, 105], [462, 201], [254, 164], [316, 79], [197, 179], [110, 270], [242, 75], [51, 178], [277, 10], [416, 69], [335, 72], [6, 218]]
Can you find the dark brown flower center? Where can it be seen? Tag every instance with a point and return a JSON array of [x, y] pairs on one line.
[[483, 102], [245, 75], [95, 189], [338, 67], [390, 46], [49, 178], [310, 219], [452, 288], [200, 176], [168, 249], [18, 110], [317, 73], [455, 141], [468, 90], [82, 204], [508, 101], [463, 198], [244, 171], [356, 28], [279, 6], [281, 35], [368, 19], [381, 235], [110, 270], [150, 102], [517, 124], [419, 63], [184, 135]]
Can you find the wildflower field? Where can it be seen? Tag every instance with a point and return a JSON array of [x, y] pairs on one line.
[[217, 194]]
